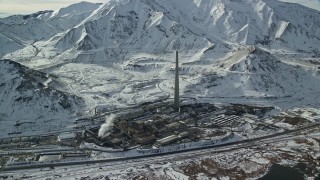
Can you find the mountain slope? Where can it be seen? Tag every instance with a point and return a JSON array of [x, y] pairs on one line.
[[28, 96], [133, 25], [255, 72], [248, 22], [155, 26], [120, 53], [23, 30]]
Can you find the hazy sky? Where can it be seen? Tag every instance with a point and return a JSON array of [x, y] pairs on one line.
[[315, 4], [8, 7]]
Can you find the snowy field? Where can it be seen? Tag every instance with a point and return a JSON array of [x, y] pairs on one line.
[[58, 67]]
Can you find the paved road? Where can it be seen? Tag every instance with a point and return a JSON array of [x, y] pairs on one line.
[[87, 169], [243, 143]]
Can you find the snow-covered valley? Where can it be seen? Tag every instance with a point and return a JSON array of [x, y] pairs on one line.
[[248, 68], [121, 53]]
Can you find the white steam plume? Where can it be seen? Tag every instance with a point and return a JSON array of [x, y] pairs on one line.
[[106, 127]]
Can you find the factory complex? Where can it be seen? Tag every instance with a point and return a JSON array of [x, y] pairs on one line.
[[157, 125]]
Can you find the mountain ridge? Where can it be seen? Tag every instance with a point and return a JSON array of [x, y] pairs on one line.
[[120, 53], [30, 96], [276, 32]]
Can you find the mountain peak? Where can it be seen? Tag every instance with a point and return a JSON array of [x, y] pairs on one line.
[[76, 9]]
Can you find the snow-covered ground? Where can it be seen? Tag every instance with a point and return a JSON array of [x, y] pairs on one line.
[[121, 53], [65, 63], [235, 162]]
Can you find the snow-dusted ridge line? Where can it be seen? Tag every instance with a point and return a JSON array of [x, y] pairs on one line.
[[229, 28], [28, 95], [120, 53]]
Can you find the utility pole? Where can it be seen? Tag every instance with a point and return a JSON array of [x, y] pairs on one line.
[[176, 87]]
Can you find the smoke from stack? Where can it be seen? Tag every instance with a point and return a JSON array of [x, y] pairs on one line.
[[107, 127]]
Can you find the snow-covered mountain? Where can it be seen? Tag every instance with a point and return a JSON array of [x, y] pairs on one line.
[[121, 52], [19, 31], [157, 25], [29, 96], [257, 73]]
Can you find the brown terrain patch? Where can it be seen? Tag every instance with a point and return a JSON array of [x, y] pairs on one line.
[[285, 155], [304, 141], [212, 169], [274, 160], [318, 140], [294, 120], [150, 176]]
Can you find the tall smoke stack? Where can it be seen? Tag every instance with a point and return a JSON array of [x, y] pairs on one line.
[[176, 87]]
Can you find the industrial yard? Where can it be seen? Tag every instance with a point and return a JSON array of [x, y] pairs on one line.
[[158, 130], [180, 129], [159, 125], [152, 131]]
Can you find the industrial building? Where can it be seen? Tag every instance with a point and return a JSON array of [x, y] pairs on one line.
[[174, 126], [67, 136], [163, 123], [166, 140], [170, 139], [144, 138]]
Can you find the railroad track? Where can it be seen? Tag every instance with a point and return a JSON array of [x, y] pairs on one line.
[[87, 169], [239, 144]]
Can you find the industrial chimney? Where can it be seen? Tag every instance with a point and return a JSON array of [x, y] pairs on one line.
[[176, 87]]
